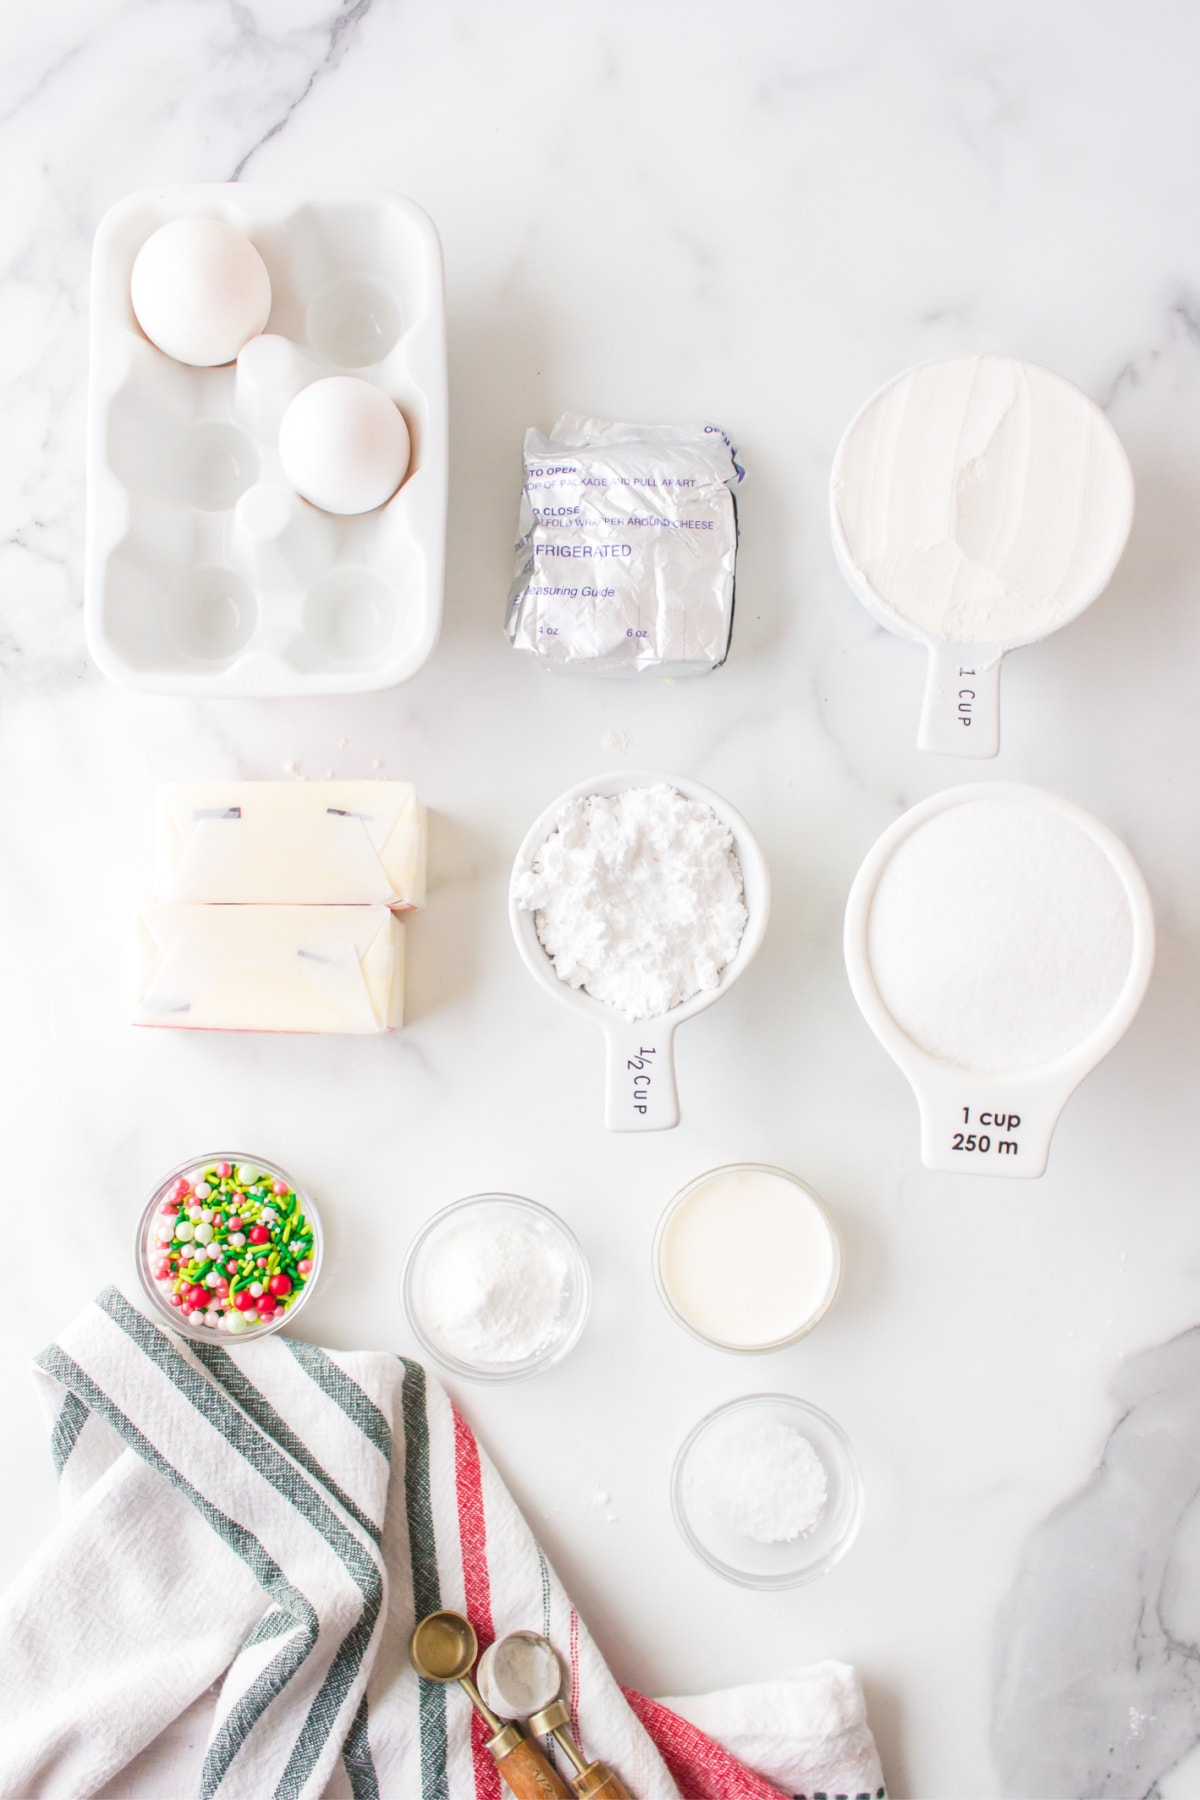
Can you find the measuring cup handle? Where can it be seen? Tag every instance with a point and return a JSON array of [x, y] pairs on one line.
[[639, 1082], [961, 712], [999, 1127]]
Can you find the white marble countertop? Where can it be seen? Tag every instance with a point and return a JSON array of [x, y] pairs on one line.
[[754, 215]]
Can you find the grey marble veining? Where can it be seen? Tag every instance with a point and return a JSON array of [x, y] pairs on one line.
[[1097, 1660], [755, 214], [257, 65]]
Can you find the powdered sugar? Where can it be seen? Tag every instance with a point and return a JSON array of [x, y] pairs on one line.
[[637, 898], [762, 1479], [492, 1290]]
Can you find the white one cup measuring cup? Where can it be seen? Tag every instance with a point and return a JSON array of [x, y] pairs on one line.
[[977, 505], [998, 941], [640, 1092]]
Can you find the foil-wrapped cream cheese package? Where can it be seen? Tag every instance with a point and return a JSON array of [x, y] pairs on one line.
[[314, 843], [626, 548], [269, 968]]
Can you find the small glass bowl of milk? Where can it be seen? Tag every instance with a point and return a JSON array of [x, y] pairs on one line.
[[747, 1259]]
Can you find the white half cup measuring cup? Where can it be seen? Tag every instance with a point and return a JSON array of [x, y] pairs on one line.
[[640, 1092], [977, 505], [999, 1120]]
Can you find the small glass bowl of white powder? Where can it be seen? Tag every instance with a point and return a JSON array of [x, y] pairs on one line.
[[767, 1491], [496, 1287]]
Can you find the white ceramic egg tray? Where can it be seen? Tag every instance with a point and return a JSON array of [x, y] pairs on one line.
[[204, 572]]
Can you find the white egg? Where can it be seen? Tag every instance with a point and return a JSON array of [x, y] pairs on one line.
[[344, 445], [200, 291]]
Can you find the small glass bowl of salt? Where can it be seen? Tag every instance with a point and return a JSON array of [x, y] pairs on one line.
[[496, 1288], [767, 1491]]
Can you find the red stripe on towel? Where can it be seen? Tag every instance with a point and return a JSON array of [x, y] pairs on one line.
[[700, 1769], [477, 1587]]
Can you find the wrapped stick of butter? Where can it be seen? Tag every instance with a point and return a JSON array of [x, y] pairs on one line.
[[269, 968], [310, 843], [626, 548]]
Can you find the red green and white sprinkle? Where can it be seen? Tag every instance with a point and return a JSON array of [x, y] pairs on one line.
[[230, 1247]]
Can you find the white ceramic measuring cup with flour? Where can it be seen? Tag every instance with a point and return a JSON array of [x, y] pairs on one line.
[[640, 1088], [998, 941], [977, 505]]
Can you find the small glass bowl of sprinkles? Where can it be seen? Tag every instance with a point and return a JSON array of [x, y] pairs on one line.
[[228, 1244]]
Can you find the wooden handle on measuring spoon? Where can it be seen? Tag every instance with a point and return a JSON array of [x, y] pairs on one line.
[[591, 1781], [525, 1767], [599, 1782]]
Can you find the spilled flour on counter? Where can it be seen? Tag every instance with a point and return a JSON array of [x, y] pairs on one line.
[[637, 898], [762, 1479]]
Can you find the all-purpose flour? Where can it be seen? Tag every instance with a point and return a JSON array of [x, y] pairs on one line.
[[637, 898], [1000, 935]]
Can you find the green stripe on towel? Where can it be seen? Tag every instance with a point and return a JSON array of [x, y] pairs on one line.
[[220, 1364], [273, 1624], [358, 1406], [356, 1755], [427, 1592], [264, 1456], [72, 1417], [544, 1571], [272, 1680]]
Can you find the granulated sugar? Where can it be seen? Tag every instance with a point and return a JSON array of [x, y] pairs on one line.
[[637, 898], [1000, 935], [762, 1479], [492, 1290]]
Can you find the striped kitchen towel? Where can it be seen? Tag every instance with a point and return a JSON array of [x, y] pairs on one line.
[[225, 1607]]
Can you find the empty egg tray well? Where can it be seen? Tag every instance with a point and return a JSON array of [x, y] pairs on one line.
[[204, 572]]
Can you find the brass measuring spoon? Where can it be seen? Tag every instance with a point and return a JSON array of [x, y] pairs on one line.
[[550, 1715], [443, 1647]]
